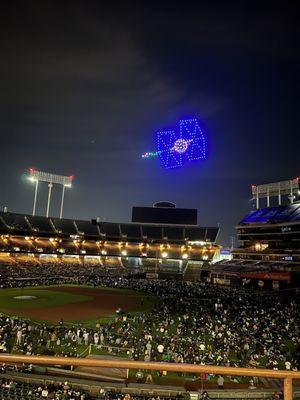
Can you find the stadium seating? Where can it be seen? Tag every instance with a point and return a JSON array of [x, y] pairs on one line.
[[195, 234], [16, 221], [87, 228], [277, 214], [38, 225], [110, 230], [287, 212], [152, 232], [174, 233], [131, 231], [65, 226], [111, 262], [41, 224]]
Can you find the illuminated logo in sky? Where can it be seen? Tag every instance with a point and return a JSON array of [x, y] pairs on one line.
[[184, 143]]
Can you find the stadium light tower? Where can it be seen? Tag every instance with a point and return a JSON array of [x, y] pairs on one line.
[[277, 189], [51, 179]]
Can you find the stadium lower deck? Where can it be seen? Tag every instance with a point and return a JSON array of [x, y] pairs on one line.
[[243, 320]]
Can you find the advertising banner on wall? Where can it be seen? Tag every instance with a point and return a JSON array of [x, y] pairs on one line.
[[277, 276]]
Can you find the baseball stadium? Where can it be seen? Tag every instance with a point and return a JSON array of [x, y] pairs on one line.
[[149, 309], [149, 200]]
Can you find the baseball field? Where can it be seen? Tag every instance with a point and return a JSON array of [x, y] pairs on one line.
[[71, 303]]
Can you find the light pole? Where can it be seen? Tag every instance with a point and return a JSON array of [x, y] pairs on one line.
[[62, 201], [35, 196], [51, 179], [49, 198]]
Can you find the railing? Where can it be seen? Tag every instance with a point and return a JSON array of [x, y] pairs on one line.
[[287, 376]]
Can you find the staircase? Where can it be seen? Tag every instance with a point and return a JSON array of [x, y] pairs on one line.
[[192, 272]]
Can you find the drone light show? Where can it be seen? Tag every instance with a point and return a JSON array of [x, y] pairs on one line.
[[184, 143]]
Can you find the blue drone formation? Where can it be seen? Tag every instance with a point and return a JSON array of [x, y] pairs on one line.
[[184, 143]]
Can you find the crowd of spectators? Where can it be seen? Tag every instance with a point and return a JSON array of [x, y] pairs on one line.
[[30, 271], [194, 323], [11, 389], [189, 322], [118, 396]]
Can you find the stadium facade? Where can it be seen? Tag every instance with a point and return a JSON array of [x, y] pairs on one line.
[[269, 254], [177, 244]]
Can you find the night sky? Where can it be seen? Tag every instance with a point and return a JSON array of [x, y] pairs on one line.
[[85, 85]]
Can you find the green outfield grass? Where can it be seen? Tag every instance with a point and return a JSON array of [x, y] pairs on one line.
[[45, 299]]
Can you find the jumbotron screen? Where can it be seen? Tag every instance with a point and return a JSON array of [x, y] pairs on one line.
[[161, 215]]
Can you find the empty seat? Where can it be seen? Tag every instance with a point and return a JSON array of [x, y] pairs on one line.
[[152, 232], [286, 212], [254, 216], [87, 228], [295, 216], [132, 231], [16, 221], [195, 234], [65, 226], [41, 224], [267, 216], [110, 229], [173, 232]]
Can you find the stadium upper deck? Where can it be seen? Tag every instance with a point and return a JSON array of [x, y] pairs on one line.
[[272, 228], [41, 226], [273, 215], [37, 234], [269, 250]]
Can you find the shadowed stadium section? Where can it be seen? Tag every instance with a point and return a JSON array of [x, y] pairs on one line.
[[154, 223], [161, 231]]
